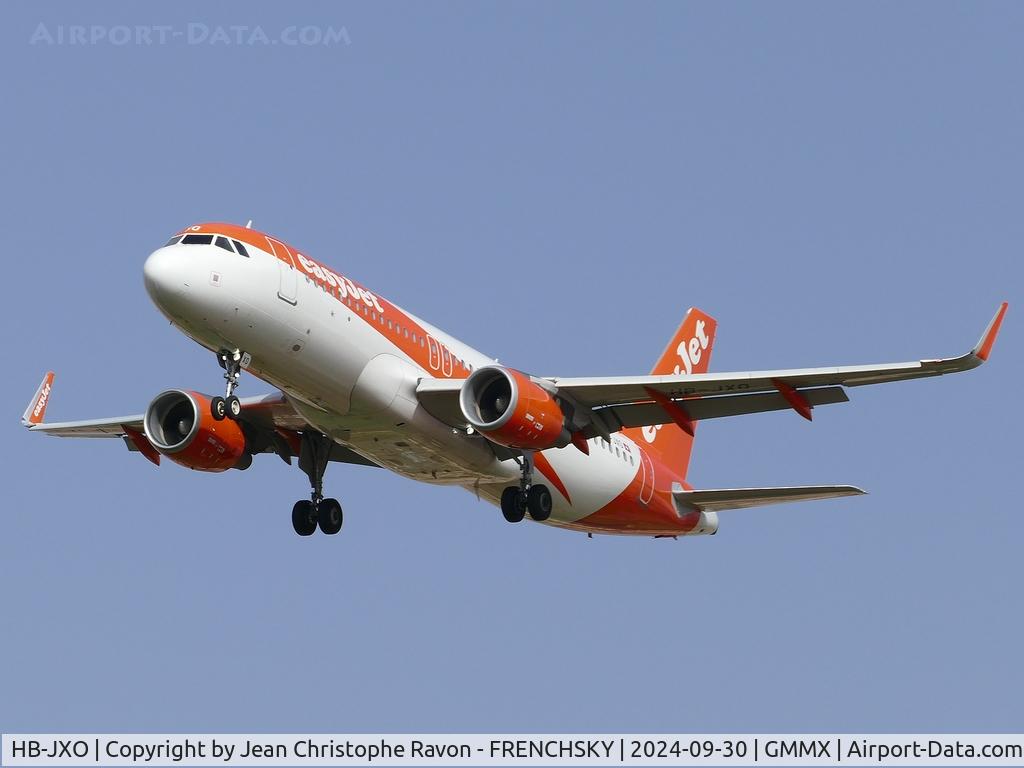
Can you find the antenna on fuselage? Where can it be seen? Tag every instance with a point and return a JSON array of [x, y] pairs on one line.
[[248, 224]]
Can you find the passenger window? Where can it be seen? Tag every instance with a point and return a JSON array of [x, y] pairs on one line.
[[173, 241], [197, 240], [240, 248], [391, 326], [222, 242]]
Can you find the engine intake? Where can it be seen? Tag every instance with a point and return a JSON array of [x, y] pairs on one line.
[[180, 426], [510, 409]]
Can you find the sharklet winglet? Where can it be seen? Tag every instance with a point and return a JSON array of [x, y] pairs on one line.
[[36, 411]]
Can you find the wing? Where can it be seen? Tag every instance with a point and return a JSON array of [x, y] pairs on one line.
[[270, 422], [607, 404]]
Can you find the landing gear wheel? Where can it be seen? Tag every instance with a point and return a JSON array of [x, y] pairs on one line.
[[231, 362], [329, 516], [218, 408], [314, 454], [304, 518], [538, 500], [512, 506]]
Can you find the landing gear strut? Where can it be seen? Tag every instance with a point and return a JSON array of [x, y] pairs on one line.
[[535, 499], [229, 405], [314, 454]]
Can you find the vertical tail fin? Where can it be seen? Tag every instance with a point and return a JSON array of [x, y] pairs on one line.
[[689, 351]]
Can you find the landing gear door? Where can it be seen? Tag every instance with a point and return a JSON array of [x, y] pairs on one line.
[[288, 286]]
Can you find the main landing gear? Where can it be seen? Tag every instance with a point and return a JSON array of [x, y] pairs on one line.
[[229, 405], [314, 455], [535, 499]]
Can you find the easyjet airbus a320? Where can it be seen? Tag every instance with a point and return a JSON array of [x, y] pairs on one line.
[[362, 381]]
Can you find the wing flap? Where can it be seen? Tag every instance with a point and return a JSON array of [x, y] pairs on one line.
[[715, 500], [440, 398], [699, 409]]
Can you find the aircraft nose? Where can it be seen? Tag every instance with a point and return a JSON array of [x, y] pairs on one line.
[[165, 276]]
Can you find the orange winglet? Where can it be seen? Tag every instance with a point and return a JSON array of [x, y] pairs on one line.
[[796, 400], [580, 442], [36, 411], [988, 338], [145, 447], [675, 410]]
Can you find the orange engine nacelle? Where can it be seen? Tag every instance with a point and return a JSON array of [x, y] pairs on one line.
[[508, 408], [181, 426]]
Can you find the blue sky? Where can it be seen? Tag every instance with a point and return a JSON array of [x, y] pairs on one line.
[[555, 184]]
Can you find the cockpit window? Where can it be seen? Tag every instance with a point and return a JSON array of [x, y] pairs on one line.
[[240, 248], [222, 242], [197, 240], [173, 241]]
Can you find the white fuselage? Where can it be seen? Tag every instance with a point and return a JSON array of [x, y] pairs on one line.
[[348, 363]]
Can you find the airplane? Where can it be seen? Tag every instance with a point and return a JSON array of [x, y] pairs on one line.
[[359, 380]]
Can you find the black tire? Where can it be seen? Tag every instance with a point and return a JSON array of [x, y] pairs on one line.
[[304, 518], [512, 506], [234, 407], [330, 517], [538, 500], [218, 408]]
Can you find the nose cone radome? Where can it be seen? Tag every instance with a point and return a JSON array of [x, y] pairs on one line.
[[165, 276]]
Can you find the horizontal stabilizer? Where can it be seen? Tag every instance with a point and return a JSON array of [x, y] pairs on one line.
[[741, 498]]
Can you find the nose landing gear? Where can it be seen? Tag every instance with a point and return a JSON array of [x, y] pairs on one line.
[[229, 405], [535, 499], [314, 454]]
